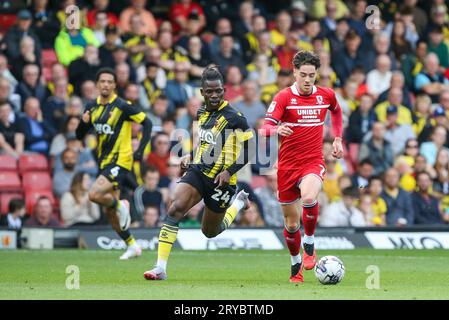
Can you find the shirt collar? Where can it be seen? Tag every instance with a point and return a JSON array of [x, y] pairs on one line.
[[295, 91], [114, 96]]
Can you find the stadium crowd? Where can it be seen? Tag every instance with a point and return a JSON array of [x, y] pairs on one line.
[[391, 79]]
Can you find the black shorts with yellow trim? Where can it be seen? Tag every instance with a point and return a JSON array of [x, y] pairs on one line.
[[216, 199], [115, 174]]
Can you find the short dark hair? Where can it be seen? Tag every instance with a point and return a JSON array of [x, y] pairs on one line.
[[15, 204], [107, 71], [351, 192], [211, 73], [150, 169], [304, 57], [373, 178]]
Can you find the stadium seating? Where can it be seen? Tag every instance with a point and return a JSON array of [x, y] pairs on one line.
[[37, 180], [32, 196], [10, 182], [32, 162], [8, 163], [5, 198]]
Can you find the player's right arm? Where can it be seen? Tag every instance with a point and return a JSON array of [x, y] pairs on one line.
[[84, 126], [273, 117]]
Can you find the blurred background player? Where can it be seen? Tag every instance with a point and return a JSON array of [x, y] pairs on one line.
[[212, 174], [297, 114], [111, 117]]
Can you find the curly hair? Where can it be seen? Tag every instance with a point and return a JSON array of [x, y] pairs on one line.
[[211, 73], [306, 57]]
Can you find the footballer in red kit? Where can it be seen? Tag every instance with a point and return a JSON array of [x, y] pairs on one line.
[[297, 114]]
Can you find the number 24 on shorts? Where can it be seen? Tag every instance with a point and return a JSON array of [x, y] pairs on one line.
[[219, 195]]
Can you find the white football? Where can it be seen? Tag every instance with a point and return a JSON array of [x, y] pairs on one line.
[[329, 270]]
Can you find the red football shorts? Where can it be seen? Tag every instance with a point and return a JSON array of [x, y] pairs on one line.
[[289, 180]]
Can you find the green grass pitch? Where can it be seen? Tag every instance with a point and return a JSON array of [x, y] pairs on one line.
[[224, 274]]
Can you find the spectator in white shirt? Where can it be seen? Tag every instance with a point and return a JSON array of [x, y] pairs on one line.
[[378, 80]]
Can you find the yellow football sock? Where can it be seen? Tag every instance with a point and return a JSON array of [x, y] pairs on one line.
[[230, 215], [167, 237]]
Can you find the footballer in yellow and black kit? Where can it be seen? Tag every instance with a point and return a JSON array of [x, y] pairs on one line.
[[223, 133], [112, 125]]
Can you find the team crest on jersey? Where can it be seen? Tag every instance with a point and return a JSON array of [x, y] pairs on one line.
[[319, 99], [271, 107], [293, 101]]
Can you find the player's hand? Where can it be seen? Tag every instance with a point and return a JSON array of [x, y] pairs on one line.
[[86, 117], [223, 179], [184, 164], [284, 130], [337, 152]]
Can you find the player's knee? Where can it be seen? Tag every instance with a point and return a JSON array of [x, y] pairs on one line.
[[291, 226], [178, 208], [209, 233], [307, 200]]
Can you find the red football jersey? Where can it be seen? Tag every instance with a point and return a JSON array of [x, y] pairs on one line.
[[306, 115]]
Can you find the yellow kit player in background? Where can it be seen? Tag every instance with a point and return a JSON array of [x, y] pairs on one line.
[[110, 117]]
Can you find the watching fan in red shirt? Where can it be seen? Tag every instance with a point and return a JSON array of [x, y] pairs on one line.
[[180, 11], [297, 114]]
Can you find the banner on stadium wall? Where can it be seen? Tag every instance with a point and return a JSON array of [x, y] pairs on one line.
[[109, 240], [408, 240], [8, 240]]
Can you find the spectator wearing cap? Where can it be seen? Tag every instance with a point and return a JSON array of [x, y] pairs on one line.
[[361, 120], [45, 23], [399, 202], [349, 57], [426, 207], [11, 141], [437, 45], [101, 5], [43, 215], [344, 212], [71, 43], [136, 41], [397, 134], [138, 8], [439, 119], [377, 149], [112, 40], [395, 97], [180, 11], [430, 80], [15, 34]]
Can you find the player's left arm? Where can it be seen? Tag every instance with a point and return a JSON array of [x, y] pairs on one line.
[[137, 115], [244, 136], [337, 126]]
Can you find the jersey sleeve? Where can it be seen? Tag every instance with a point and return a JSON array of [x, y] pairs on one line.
[[333, 101], [242, 130], [133, 112], [276, 109]]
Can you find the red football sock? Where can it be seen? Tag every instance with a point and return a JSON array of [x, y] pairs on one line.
[[293, 241], [309, 218]]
